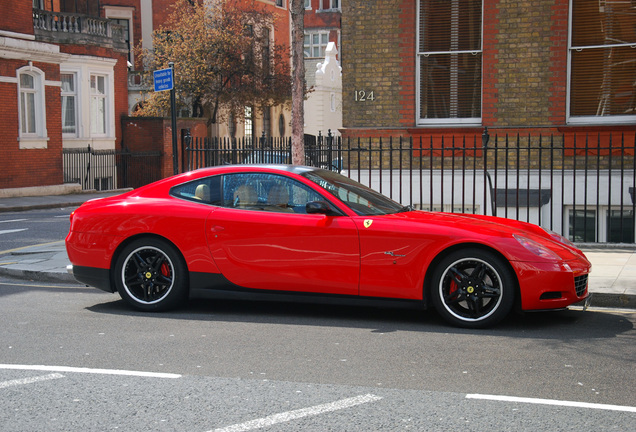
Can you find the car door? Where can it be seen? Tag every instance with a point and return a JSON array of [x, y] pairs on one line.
[[262, 237]]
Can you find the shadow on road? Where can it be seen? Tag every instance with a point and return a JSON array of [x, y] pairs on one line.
[[559, 325]]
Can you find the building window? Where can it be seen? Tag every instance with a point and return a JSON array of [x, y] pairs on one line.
[[329, 4], [231, 126], [32, 116], [99, 104], [267, 121], [28, 97], [280, 3], [266, 52], [602, 61], [307, 4], [281, 125], [449, 61], [249, 123], [125, 25], [69, 103], [605, 225], [316, 44]]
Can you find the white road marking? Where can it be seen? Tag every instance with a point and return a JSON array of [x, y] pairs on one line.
[[12, 231], [90, 371], [552, 402], [300, 413], [13, 220], [30, 380]]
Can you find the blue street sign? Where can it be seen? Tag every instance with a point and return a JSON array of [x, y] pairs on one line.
[[163, 79]]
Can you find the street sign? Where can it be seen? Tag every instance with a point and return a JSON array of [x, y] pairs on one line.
[[163, 79]]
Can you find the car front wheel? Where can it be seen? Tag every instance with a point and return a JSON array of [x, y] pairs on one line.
[[473, 288], [151, 276]]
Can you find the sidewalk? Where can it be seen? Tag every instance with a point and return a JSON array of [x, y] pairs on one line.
[[612, 282]]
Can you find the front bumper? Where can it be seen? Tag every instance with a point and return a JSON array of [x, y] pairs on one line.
[[552, 285]]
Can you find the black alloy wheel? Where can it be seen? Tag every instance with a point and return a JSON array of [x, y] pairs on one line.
[[151, 275], [473, 288]]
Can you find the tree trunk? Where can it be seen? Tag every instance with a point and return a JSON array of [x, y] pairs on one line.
[[298, 82]]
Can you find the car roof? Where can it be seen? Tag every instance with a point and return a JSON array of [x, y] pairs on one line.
[[295, 169]]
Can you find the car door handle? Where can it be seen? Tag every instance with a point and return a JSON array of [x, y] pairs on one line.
[[217, 228]]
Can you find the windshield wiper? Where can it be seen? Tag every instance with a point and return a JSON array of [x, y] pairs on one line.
[[405, 209]]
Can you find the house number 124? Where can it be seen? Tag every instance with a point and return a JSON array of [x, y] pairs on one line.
[[363, 95]]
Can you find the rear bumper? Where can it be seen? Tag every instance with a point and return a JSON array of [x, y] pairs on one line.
[[92, 276]]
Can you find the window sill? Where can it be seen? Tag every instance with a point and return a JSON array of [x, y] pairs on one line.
[[33, 143]]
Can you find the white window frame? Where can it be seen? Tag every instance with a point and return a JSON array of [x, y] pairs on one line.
[[465, 121], [334, 5], [307, 4], [37, 138], [104, 99], [280, 3], [309, 49], [601, 216], [124, 13], [586, 120], [84, 67], [75, 94]]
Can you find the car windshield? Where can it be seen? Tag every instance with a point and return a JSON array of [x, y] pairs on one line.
[[362, 200]]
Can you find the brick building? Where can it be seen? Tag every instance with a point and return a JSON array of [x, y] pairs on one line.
[[63, 81], [69, 78], [421, 67]]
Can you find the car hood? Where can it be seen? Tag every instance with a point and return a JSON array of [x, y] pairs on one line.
[[493, 231]]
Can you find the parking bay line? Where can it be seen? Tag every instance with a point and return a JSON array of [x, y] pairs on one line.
[[299, 413], [30, 380], [91, 371], [552, 402]]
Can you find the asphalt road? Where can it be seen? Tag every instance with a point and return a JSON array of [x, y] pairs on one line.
[[19, 229], [232, 365]]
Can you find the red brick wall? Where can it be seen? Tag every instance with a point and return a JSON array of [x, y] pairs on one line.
[[407, 46], [144, 134], [30, 167], [16, 16]]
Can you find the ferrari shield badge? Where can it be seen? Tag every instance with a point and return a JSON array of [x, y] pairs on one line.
[[367, 223]]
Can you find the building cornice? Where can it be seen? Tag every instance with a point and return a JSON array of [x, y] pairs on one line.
[[21, 49]]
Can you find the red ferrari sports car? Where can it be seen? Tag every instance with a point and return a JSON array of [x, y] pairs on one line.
[[293, 229]]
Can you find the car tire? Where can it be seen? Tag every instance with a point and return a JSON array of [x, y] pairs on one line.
[[473, 288], [151, 275]]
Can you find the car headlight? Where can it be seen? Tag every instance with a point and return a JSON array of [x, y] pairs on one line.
[[536, 248], [559, 238]]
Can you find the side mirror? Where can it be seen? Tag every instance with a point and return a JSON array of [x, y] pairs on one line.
[[318, 207]]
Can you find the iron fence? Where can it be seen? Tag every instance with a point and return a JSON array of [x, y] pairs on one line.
[[320, 151], [110, 169], [581, 186]]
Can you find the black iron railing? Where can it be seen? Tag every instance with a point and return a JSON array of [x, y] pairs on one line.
[[110, 169], [581, 186]]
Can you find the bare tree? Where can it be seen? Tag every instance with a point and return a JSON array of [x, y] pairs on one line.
[[298, 82]]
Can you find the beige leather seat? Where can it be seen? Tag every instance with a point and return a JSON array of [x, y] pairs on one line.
[[278, 197], [245, 195], [202, 192]]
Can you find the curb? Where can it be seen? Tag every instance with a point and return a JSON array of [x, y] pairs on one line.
[[39, 276]]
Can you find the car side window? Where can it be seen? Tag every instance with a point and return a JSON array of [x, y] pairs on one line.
[[266, 192], [206, 190]]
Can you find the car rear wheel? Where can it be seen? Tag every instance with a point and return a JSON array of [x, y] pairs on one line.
[[151, 275], [473, 288]]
